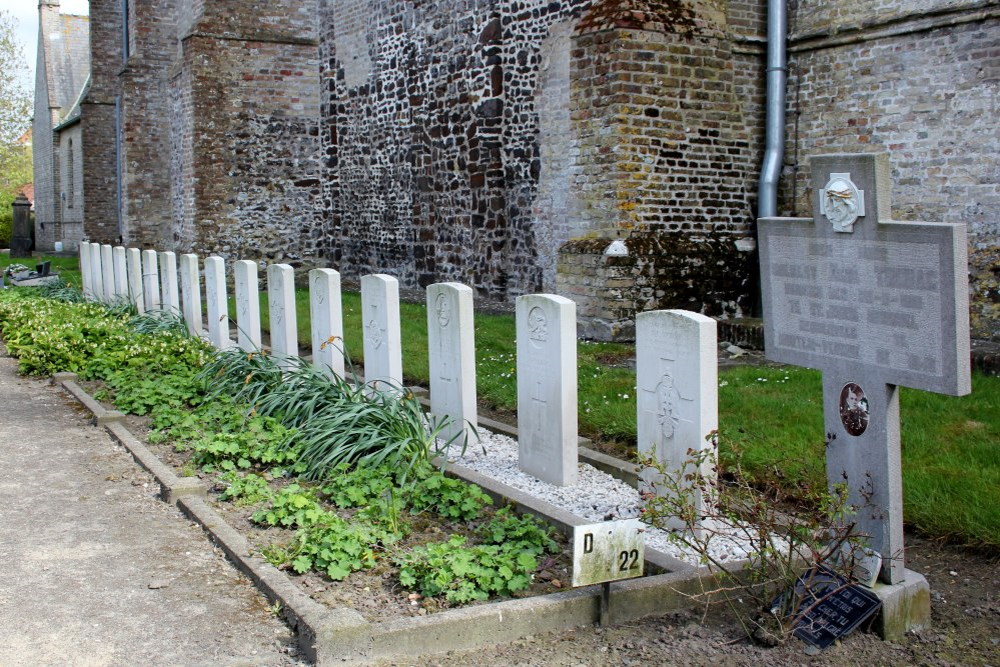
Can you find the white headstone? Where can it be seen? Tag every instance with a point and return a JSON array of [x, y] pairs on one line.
[[873, 303], [168, 283], [191, 294], [677, 380], [150, 280], [86, 278], [217, 303], [451, 352], [281, 311], [382, 340], [546, 388], [326, 318], [121, 274], [96, 274], [108, 272], [133, 261], [247, 305]]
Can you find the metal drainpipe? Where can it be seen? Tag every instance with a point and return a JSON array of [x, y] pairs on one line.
[[774, 138]]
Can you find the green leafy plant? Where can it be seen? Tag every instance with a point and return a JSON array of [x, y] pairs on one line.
[[338, 548], [294, 507], [447, 496], [245, 489], [464, 573], [262, 441], [519, 532]]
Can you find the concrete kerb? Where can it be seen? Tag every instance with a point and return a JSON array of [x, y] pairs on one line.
[[343, 635], [314, 623], [102, 416], [172, 487]]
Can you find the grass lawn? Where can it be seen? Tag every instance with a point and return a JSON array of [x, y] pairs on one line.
[[771, 416]]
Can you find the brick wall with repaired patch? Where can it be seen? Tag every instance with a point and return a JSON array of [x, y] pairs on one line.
[[663, 170]]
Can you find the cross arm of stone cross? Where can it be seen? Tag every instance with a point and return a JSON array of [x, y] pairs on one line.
[[873, 303], [886, 297]]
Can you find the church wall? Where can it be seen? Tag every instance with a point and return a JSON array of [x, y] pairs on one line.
[[929, 97], [146, 207], [254, 182], [499, 142], [100, 182]]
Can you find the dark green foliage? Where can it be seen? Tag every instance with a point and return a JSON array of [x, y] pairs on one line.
[[465, 573]]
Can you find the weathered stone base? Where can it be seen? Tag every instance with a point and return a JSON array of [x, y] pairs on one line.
[[613, 279], [905, 606]]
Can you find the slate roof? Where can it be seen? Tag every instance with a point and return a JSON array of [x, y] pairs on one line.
[[67, 62]]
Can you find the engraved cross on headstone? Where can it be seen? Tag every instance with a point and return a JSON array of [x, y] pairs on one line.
[[664, 403], [874, 304]]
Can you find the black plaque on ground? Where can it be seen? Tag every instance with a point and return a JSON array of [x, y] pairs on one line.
[[830, 607]]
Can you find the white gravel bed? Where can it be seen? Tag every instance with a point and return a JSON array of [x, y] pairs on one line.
[[597, 496]]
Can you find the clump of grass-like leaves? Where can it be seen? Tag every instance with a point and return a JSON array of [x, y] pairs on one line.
[[60, 290], [155, 321], [337, 422]]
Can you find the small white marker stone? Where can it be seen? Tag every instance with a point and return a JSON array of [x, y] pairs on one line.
[[546, 388], [150, 280], [168, 283], [108, 272], [121, 273], [96, 274], [86, 279], [677, 398], [191, 294], [136, 293], [451, 355]]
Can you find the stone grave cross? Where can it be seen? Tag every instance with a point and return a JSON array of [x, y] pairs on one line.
[[874, 304]]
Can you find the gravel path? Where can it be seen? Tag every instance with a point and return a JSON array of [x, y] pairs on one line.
[[96, 570]]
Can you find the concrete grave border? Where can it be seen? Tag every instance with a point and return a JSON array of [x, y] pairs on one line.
[[339, 635], [342, 635]]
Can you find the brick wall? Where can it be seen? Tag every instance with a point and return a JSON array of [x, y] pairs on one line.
[[499, 142], [100, 181], [472, 149], [926, 95], [663, 168], [254, 109]]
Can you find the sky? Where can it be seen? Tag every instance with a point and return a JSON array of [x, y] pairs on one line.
[[25, 14]]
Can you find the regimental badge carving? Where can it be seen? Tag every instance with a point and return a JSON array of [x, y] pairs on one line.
[[443, 308], [854, 413], [841, 202], [374, 333], [667, 398], [320, 294], [538, 326]]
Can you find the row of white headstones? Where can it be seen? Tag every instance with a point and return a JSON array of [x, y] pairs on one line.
[[676, 358]]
